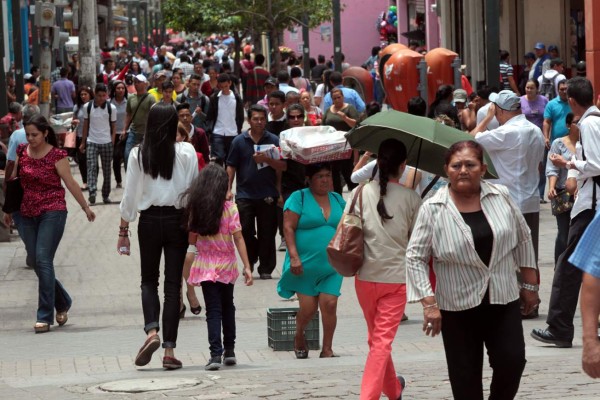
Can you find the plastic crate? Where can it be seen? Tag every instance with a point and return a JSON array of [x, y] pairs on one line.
[[281, 329]]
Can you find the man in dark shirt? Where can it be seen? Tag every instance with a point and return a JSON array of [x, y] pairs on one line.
[[316, 73], [258, 188], [277, 122]]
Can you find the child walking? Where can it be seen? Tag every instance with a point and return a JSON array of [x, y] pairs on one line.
[[214, 226]]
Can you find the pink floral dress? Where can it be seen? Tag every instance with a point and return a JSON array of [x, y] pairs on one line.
[[216, 260]]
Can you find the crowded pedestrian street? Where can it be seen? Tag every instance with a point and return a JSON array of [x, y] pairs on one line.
[[92, 356]]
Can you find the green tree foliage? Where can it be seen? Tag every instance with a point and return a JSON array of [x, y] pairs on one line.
[[242, 16]]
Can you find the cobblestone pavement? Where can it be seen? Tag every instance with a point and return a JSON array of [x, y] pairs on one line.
[[104, 332]]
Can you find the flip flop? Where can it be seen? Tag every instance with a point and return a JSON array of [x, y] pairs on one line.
[[330, 356]]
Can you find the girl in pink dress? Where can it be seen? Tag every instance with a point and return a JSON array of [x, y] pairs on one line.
[[215, 229]]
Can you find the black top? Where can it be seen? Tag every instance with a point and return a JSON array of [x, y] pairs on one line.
[[482, 234], [276, 127]]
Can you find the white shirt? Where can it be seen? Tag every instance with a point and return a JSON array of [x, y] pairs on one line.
[[462, 278], [366, 172], [516, 149], [285, 88], [589, 134], [141, 191], [482, 112], [225, 124], [99, 127]]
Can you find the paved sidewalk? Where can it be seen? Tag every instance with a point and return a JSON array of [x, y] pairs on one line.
[[104, 332]]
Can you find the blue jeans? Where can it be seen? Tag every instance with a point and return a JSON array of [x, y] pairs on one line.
[[42, 236], [219, 147], [130, 142], [220, 310]]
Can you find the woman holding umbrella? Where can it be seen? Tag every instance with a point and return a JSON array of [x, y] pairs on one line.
[[479, 238], [388, 212]]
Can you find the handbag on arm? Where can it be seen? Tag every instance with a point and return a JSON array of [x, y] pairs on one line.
[[346, 249], [14, 192]]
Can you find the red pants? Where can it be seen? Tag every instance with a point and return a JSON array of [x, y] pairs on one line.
[[383, 305]]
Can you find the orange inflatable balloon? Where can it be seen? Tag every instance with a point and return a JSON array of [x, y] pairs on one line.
[[440, 72], [401, 78], [360, 80]]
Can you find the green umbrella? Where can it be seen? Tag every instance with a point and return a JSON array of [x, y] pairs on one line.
[[426, 140]]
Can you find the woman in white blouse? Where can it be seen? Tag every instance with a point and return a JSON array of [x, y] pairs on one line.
[[389, 211], [158, 172], [478, 239]]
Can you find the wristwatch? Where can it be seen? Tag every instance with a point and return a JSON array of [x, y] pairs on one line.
[[530, 287]]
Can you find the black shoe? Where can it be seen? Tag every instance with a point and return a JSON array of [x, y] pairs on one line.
[[119, 186], [92, 199], [229, 358], [265, 276], [106, 200], [402, 384], [545, 336], [214, 364]]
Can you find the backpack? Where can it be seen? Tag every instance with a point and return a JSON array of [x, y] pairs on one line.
[[89, 113], [547, 88]]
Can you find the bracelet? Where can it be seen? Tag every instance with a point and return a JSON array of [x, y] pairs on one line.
[[434, 305], [123, 235]]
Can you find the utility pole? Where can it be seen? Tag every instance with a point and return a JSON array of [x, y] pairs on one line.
[[18, 50], [45, 18], [3, 67], [337, 35], [492, 41], [305, 46], [87, 44]]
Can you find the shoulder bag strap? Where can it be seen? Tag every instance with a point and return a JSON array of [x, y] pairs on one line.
[[136, 110], [428, 188], [593, 114]]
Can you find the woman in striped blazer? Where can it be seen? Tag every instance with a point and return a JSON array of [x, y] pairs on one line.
[[479, 240]]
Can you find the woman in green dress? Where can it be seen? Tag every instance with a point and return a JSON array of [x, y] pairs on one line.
[[310, 219]]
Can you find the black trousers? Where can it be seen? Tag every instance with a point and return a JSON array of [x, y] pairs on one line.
[[220, 311], [161, 230], [465, 333], [343, 167], [81, 160], [259, 227], [118, 158], [567, 282]]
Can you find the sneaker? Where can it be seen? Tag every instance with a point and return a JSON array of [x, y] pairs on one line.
[[145, 354], [265, 276], [106, 200], [92, 199], [214, 364], [282, 246], [119, 186], [229, 358]]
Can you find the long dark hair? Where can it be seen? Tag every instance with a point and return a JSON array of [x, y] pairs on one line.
[[205, 200], [42, 124], [391, 154], [80, 102], [157, 151]]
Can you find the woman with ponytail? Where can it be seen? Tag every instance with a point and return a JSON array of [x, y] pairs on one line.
[[388, 213]]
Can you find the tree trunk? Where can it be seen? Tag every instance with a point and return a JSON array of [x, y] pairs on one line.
[[275, 49]]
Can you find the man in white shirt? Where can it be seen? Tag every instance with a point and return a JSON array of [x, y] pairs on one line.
[[225, 117], [516, 148], [98, 139], [585, 167]]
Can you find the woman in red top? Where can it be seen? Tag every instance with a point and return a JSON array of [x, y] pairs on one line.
[[210, 86], [43, 214]]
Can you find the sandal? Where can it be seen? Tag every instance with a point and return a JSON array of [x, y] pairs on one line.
[[41, 327], [194, 310], [62, 317], [323, 355], [302, 353]]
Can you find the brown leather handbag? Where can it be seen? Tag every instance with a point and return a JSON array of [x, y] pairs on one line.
[[346, 249]]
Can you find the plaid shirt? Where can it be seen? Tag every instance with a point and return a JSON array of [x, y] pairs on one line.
[[187, 69], [55, 75]]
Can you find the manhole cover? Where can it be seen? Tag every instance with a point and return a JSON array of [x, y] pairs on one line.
[[151, 385]]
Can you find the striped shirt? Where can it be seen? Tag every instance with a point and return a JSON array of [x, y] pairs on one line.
[[506, 71], [462, 278]]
